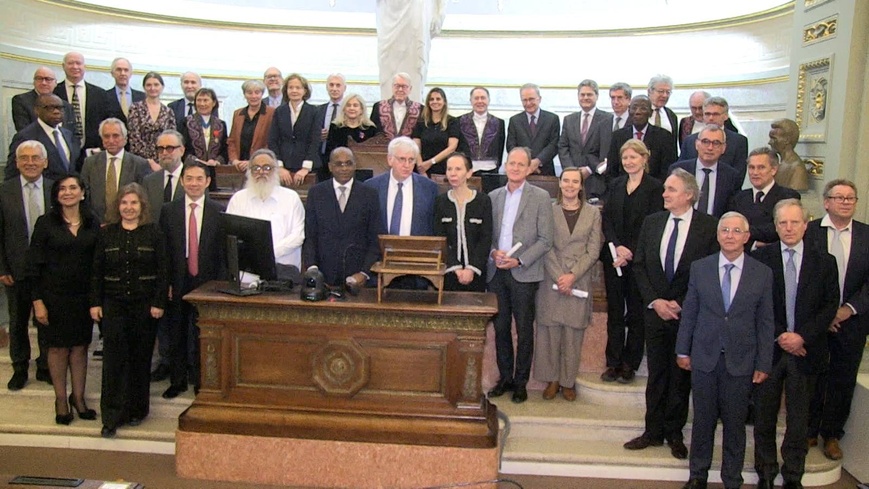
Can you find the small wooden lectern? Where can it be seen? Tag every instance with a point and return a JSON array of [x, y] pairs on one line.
[[422, 256]]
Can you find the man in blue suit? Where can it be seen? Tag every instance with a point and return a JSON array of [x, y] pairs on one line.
[[715, 111], [62, 147], [717, 181], [726, 340]]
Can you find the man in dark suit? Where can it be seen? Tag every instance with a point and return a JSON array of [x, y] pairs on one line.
[[326, 113], [658, 141], [22, 201], [24, 104], [61, 146], [522, 218], [847, 240], [756, 203], [120, 97], [108, 171], [725, 341], [196, 242], [620, 100], [660, 89], [805, 297], [715, 111], [585, 140], [88, 101], [274, 82], [669, 242], [717, 181], [406, 198], [483, 134], [342, 222], [186, 105], [536, 129]]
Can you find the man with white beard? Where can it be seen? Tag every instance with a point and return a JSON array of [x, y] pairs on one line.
[[264, 198]]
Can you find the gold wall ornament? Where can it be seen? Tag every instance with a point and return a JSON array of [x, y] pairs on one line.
[[820, 31], [815, 167], [819, 99], [813, 93]]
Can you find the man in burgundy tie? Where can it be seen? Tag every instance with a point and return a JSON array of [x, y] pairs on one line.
[[585, 139], [657, 140], [536, 129]]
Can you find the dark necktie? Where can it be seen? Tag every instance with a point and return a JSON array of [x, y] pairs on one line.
[[759, 197], [639, 135], [670, 257], [725, 286], [167, 190], [76, 108], [60, 149], [533, 126], [189, 108], [584, 130], [790, 288], [395, 222], [703, 203], [616, 123], [334, 112]]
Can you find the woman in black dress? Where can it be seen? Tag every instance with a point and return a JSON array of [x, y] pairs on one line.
[[630, 198], [437, 133], [129, 289], [464, 216], [61, 254], [352, 122]]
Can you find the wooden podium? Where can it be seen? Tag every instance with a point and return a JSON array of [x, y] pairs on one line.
[[310, 393]]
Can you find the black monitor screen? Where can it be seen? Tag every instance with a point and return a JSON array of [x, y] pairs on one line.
[[256, 254]]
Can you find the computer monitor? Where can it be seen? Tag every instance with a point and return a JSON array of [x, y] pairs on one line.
[[255, 253]]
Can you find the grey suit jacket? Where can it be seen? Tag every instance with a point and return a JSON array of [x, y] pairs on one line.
[[572, 151], [153, 184], [744, 332], [533, 227], [13, 226], [93, 174]]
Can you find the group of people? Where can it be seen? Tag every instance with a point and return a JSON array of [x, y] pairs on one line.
[[128, 207]]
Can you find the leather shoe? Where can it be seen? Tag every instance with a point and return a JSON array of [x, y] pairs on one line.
[[501, 387], [695, 484], [43, 375], [160, 373], [107, 432], [569, 393], [550, 391], [520, 395], [831, 449], [610, 374], [765, 484], [642, 442], [134, 421], [812, 441], [174, 390], [627, 376], [792, 485], [18, 381], [679, 450]]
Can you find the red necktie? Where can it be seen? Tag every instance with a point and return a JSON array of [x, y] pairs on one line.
[[639, 135], [192, 243]]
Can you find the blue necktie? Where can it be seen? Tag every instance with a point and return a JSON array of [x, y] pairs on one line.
[[60, 150], [670, 257], [395, 222], [725, 286], [790, 288]]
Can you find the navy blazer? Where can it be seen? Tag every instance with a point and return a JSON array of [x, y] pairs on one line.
[[744, 332], [95, 112], [424, 193], [113, 105], [55, 169], [212, 246], [341, 244], [543, 145], [735, 154], [724, 184], [817, 301], [760, 216], [13, 226], [856, 289], [294, 144], [660, 143]]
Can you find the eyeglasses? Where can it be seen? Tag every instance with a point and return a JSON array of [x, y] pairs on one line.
[[167, 149], [272, 77], [661, 91], [712, 142], [713, 114], [400, 86], [843, 200], [736, 231], [262, 169], [409, 160], [42, 79], [29, 158]]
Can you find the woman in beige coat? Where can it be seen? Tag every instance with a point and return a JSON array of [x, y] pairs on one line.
[[561, 316]]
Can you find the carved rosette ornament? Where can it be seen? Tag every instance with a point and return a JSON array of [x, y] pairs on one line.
[[341, 368]]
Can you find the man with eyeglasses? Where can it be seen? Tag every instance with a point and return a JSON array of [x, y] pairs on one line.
[[60, 144], [264, 198], [24, 104], [398, 115], [725, 340], [717, 181], [660, 89], [838, 234], [274, 82], [805, 298], [342, 224], [536, 129], [716, 111]]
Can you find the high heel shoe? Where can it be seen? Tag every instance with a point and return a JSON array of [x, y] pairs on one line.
[[88, 414], [64, 419]]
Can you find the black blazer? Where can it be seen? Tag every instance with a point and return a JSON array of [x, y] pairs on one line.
[[724, 183], [95, 112], [13, 226], [856, 289], [735, 154], [760, 216], [649, 271], [341, 244], [24, 110], [55, 168], [212, 246], [113, 106], [621, 226], [817, 301], [544, 145], [661, 145], [294, 144]]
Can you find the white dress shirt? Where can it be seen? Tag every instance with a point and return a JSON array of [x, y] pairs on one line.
[[399, 112], [735, 272], [684, 227], [284, 209], [49, 131], [508, 219]]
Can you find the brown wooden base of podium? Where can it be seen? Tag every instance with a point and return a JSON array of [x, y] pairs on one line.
[[335, 464]]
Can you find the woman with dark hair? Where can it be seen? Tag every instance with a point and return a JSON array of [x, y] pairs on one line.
[[562, 317], [205, 134], [129, 290], [464, 216], [61, 253], [437, 133], [250, 125], [149, 118], [295, 133], [630, 198]]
